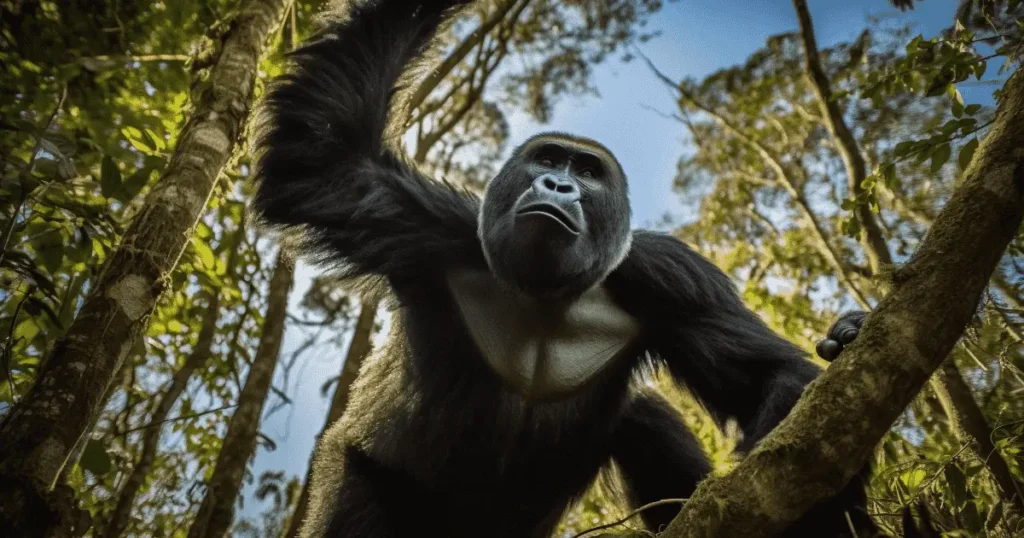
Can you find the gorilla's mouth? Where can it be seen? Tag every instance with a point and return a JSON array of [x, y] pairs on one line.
[[553, 212]]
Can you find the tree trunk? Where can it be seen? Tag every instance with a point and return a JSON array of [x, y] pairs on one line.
[[358, 350], [218, 506], [41, 431], [842, 415], [971, 427], [117, 520], [875, 247]]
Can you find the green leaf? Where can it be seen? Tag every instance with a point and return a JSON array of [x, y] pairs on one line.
[[954, 94], [175, 326], [972, 109], [939, 156], [135, 138], [889, 175], [937, 88], [971, 517], [26, 330], [49, 245], [913, 478], [135, 183], [158, 142], [903, 148], [110, 179], [957, 483], [967, 153], [95, 458], [851, 227], [206, 256]]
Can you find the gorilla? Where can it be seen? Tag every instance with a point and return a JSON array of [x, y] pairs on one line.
[[508, 382]]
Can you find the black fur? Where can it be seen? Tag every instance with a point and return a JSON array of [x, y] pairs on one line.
[[658, 456], [433, 441]]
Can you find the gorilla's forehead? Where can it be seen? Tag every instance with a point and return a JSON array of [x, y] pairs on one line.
[[570, 141]]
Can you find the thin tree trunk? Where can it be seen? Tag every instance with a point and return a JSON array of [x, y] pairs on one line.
[[118, 519], [358, 350], [971, 427], [829, 435], [218, 507], [41, 431], [875, 247]]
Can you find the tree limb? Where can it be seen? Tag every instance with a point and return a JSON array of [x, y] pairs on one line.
[[875, 247], [842, 415]]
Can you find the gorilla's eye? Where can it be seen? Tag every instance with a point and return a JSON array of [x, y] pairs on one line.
[[587, 173], [546, 162]]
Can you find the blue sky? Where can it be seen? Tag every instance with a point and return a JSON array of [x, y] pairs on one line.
[[698, 37]]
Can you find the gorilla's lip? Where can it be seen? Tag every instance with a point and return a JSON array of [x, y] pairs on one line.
[[553, 212]]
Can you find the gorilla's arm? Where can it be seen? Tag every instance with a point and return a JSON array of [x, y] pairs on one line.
[[698, 326], [658, 456], [323, 160]]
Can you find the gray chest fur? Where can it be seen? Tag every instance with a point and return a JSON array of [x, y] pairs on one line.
[[541, 349]]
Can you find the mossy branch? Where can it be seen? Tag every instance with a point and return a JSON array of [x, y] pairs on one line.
[[835, 426]]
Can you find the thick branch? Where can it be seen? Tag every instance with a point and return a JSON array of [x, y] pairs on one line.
[[853, 160], [835, 426]]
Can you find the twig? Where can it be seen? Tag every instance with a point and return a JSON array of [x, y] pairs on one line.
[[142, 58], [9, 230], [630, 515], [10, 345], [182, 417]]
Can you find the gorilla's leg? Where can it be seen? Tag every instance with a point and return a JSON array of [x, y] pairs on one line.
[[373, 501], [658, 456]]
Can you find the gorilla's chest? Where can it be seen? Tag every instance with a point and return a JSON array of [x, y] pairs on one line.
[[541, 349]]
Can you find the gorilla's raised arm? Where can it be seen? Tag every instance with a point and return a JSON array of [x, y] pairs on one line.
[[709, 340], [323, 157]]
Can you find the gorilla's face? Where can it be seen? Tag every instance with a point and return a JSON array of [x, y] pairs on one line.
[[555, 220]]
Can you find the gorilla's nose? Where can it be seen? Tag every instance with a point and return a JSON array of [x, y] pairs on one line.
[[560, 190]]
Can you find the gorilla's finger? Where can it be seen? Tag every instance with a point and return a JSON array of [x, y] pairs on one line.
[[845, 334], [828, 349]]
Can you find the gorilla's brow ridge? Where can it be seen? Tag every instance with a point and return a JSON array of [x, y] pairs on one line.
[[574, 142]]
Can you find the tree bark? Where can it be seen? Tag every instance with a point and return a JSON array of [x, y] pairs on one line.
[[842, 415], [875, 247], [118, 519], [218, 507], [40, 432], [965, 416], [358, 349], [970, 426]]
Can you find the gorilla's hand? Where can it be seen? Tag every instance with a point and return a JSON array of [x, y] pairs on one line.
[[843, 331]]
